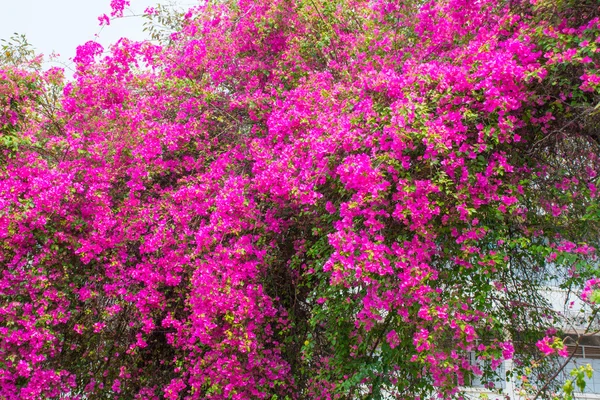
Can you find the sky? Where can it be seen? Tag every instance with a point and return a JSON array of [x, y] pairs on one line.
[[61, 25]]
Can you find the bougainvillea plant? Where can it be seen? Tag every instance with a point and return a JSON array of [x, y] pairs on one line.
[[301, 199]]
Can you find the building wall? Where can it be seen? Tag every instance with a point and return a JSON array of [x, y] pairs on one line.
[[591, 392]]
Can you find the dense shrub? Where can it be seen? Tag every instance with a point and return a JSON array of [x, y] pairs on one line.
[[299, 199]]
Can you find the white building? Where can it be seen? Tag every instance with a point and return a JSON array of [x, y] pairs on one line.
[[581, 326]]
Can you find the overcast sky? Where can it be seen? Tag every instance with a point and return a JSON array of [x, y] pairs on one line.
[[61, 25]]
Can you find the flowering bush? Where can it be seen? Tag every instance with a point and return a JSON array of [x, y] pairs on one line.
[[298, 199]]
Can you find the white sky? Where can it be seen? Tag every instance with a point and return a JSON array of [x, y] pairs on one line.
[[62, 25]]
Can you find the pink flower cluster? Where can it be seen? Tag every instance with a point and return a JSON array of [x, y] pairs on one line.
[[552, 345], [591, 290]]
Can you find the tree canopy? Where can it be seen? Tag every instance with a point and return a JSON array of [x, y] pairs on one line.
[[300, 199]]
